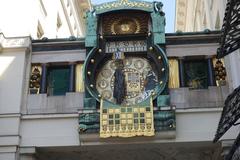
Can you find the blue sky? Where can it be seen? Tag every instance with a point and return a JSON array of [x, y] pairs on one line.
[[168, 7]]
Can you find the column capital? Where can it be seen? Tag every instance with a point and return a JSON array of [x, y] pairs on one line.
[[209, 56], [181, 58], [45, 64], [72, 63]]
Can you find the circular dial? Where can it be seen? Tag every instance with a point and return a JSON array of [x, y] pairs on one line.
[[140, 80]]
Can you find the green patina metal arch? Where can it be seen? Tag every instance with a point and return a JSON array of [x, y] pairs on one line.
[[124, 5], [153, 8]]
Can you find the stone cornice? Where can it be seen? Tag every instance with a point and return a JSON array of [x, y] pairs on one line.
[[14, 42]]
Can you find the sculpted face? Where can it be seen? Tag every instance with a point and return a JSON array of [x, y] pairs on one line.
[[125, 27]]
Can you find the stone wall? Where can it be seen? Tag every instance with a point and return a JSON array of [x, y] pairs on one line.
[[41, 103]]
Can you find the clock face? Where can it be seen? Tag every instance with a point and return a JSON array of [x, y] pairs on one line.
[[140, 80]]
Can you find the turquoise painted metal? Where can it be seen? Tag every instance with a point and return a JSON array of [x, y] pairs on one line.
[[124, 5], [91, 29]]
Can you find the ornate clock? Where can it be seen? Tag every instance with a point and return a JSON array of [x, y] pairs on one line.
[[126, 70]]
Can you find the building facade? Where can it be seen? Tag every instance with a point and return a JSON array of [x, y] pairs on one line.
[[217, 15], [54, 19], [60, 98], [198, 15]]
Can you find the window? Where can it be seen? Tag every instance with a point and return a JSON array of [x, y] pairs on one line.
[[40, 31], [196, 74], [59, 22], [218, 21], [58, 80]]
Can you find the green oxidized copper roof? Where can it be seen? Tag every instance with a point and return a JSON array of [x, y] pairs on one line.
[[124, 4]]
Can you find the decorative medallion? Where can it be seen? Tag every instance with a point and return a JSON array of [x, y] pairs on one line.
[[139, 64], [106, 94], [106, 73], [103, 84], [113, 65], [122, 23], [125, 26]]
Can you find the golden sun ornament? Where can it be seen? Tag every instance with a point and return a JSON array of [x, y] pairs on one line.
[[125, 26]]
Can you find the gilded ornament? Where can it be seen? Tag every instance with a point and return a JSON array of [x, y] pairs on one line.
[[35, 79], [106, 73], [103, 84], [125, 26], [139, 64], [135, 125]]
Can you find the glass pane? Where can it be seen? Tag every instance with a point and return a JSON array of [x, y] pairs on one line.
[[196, 74], [58, 81]]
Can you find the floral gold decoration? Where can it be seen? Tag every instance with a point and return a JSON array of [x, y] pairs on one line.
[[35, 80], [121, 23]]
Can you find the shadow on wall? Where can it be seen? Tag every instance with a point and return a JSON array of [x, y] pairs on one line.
[[5, 62]]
